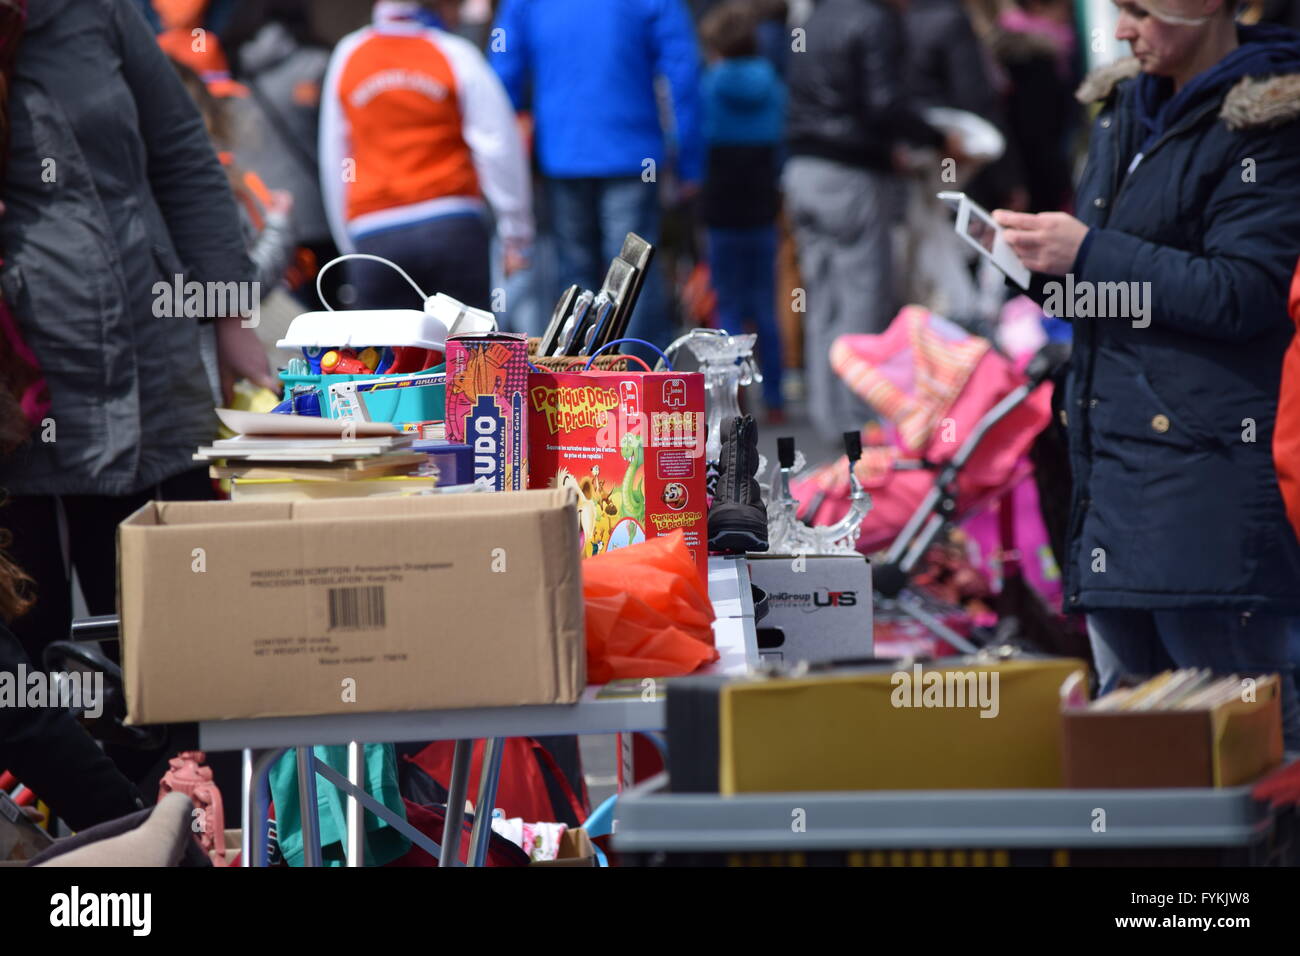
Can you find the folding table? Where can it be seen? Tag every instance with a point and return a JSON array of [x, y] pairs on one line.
[[265, 740]]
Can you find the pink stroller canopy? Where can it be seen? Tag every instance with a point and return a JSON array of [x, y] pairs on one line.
[[912, 372], [932, 382]]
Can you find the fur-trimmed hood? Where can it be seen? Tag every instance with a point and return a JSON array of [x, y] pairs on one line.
[[1250, 102]]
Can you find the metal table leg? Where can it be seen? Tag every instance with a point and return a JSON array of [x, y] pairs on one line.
[[456, 803], [257, 806], [308, 807], [480, 834], [356, 812], [245, 789]]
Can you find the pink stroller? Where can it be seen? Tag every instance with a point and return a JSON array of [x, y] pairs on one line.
[[960, 419]]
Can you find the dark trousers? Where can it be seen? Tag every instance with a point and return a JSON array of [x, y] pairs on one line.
[[1144, 643], [591, 217], [92, 520], [449, 254], [742, 268]]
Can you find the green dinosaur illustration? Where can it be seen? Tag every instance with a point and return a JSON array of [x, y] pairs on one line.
[[633, 497]]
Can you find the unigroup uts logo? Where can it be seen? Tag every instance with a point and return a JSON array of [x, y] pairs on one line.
[[676, 496]]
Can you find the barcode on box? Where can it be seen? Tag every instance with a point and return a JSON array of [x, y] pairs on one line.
[[356, 608]]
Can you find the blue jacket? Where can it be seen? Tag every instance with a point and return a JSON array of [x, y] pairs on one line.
[[744, 103], [1176, 501], [587, 68], [744, 120]]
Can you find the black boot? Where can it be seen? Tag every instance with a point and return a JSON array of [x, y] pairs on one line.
[[738, 517]]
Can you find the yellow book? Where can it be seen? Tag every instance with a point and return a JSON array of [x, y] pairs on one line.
[[287, 489]]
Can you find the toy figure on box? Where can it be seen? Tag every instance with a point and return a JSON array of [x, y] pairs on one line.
[[604, 523], [634, 478]]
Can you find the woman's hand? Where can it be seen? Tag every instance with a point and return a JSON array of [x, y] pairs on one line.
[[240, 355], [1046, 242]]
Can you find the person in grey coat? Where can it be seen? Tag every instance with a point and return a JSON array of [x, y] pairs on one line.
[[112, 195], [849, 112]]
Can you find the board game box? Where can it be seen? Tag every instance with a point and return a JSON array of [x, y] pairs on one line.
[[487, 374], [631, 445]]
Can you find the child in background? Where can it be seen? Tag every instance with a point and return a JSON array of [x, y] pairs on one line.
[[744, 117]]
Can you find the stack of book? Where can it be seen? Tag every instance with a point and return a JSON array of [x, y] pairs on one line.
[[317, 465], [1190, 689]]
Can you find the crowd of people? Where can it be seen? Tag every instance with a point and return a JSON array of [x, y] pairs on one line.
[[773, 151]]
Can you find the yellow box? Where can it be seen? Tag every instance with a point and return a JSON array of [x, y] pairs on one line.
[[896, 730]]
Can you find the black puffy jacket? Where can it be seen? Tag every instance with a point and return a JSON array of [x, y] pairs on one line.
[[848, 98], [1176, 500], [50, 753]]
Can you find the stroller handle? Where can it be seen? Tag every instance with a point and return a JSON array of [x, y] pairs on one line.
[[1049, 360]]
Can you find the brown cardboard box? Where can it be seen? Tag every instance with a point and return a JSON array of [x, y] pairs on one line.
[[281, 608], [576, 849], [1232, 744]]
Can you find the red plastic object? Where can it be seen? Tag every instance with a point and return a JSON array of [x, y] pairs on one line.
[[409, 358], [1280, 788], [343, 362], [188, 776]]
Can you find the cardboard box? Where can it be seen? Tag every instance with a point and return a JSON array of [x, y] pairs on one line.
[[1232, 744], [819, 606], [955, 725], [487, 378], [576, 849], [631, 445], [281, 608]]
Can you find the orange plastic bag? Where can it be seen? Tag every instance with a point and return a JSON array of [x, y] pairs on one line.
[[648, 612]]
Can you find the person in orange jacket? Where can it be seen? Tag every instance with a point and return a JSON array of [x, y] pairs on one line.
[[1286, 434]]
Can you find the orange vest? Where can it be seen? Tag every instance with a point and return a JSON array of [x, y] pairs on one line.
[[398, 95]]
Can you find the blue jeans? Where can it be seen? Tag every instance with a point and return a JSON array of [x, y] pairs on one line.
[[1143, 643], [590, 218], [742, 268], [450, 254]]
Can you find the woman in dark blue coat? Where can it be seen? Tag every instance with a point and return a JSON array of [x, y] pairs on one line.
[[1175, 277]]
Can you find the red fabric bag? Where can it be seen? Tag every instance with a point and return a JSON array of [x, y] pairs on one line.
[[521, 791], [431, 820]]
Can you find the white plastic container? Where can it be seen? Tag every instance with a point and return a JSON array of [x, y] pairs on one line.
[[359, 328]]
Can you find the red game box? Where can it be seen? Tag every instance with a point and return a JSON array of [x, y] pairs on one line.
[[631, 445]]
